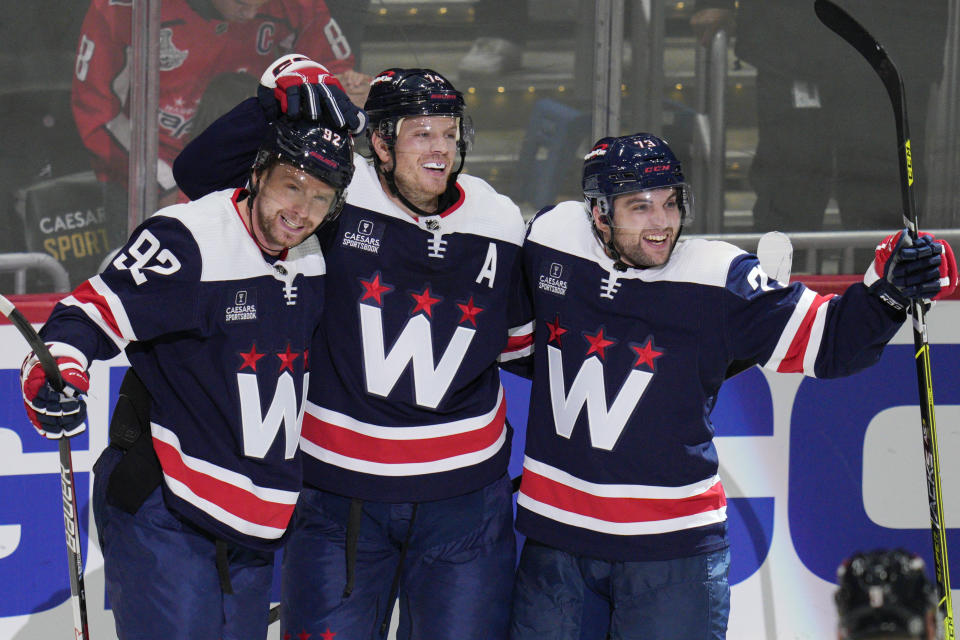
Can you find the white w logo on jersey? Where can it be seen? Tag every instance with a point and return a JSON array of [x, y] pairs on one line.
[[414, 345], [259, 432], [606, 423]]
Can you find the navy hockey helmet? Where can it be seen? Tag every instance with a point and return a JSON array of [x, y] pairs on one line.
[[398, 93], [883, 593], [636, 162], [317, 150], [402, 93], [628, 164]]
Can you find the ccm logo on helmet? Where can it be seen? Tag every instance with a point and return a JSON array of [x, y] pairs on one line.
[[442, 96], [657, 168]]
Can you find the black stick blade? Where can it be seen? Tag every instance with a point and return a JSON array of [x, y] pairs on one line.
[[844, 25]]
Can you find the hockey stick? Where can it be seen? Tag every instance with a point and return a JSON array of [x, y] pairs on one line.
[[78, 597], [850, 30]]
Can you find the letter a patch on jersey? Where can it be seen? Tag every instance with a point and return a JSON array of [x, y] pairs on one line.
[[606, 422]]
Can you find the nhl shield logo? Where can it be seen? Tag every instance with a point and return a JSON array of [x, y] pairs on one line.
[[170, 56]]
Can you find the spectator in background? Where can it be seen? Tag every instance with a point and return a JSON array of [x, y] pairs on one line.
[[885, 594], [351, 15], [824, 121], [199, 39], [501, 28]]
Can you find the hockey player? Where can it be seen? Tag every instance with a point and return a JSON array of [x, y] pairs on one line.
[[405, 436], [199, 39], [197, 488], [886, 594], [635, 333]]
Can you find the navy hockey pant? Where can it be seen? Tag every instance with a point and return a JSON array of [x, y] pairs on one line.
[[161, 573], [685, 598], [455, 581]]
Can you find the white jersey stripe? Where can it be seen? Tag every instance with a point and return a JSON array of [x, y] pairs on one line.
[[790, 330], [620, 490], [622, 528]]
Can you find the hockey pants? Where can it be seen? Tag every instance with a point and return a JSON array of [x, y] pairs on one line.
[[161, 573], [454, 580], [686, 598]]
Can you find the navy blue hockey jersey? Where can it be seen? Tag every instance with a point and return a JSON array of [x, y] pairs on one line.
[[220, 335], [406, 403], [620, 462]]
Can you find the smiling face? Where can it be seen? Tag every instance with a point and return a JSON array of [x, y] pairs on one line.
[[425, 150], [645, 226], [289, 206]]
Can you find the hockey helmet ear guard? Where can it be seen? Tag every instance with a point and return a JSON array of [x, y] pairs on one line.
[[316, 150], [884, 593]]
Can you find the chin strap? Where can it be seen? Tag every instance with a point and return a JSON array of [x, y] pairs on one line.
[[446, 199], [618, 262]]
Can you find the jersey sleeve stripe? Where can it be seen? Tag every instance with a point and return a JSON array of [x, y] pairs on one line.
[[519, 343], [806, 338], [225, 495], [104, 308]]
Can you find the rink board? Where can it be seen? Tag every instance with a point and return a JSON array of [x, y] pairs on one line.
[[814, 470]]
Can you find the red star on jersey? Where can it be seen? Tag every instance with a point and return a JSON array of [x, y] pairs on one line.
[[556, 331], [328, 635], [469, 312], [287, 358], [424, 302], [250, 359], [286, 636], [306, 354], [303, 635], [598, 344], [646, 354], [374, 289]]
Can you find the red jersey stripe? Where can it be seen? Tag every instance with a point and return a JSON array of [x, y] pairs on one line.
[[793, 361], [230, 498], [622, 510], [86, 294], [359, 446]]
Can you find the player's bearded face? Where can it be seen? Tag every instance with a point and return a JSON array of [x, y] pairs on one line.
[[425, 150], [645, 226], [288, 207]]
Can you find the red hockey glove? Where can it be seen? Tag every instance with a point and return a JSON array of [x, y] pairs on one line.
[[54, 414], [301, 88], [903, 272]]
